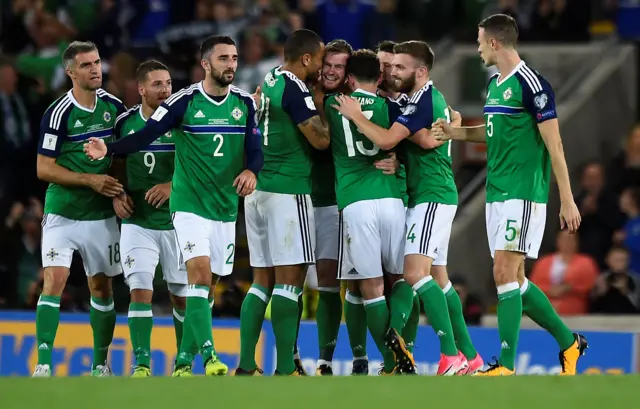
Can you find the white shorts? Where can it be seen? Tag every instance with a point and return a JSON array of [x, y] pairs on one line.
[[429, 230], [200, 237], [97, 241], [142, 249], [326, 232], [516, 225], [280, 229], [372, 238]]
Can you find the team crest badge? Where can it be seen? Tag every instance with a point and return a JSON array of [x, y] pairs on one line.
[[106, 117], [540, 101], [507, 94], [236, 113], [52, 254], [270, 80], [189, 247], [129, 262], [168, 134]]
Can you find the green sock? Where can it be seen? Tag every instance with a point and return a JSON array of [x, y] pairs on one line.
[[284, 319], [460, 331], [47, 319], [140, 326], [300, 311], [435, 306], [538, 307], [400, 305], [328, 317], [356, 319], [102, 318], [251, 318], [509, 317], [178, 326], [410, 331], [378, 322], [198, 318], [188, 348]]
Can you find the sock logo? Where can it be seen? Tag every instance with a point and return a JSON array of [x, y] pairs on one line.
[[43, 347], [504, 345], [440, 333]]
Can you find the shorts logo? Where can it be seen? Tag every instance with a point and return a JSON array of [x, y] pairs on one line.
[[130, 262], [435, 251], [236, 113], [352, 271], [189, 247], [52, 254], [106, 117]]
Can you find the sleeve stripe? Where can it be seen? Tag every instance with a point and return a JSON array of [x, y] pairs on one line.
[[298, 81], [127, 113], [416, 97], [103, 93], [185, 91], [58, 113], [246, 95], [531, 79]]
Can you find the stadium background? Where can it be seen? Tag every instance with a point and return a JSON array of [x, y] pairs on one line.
[[587, 49]]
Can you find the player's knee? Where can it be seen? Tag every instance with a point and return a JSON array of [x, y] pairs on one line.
[[505, 268], [199, 271], [55, 279], [439, 273], [179, 302], [100, 286], [177, 290], [372, 288], [327, 271]]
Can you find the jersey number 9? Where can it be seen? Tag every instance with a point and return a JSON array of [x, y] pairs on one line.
[[149, 161]]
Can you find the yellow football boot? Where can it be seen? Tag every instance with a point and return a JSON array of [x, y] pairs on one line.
[[495, 369], [215, 367], [141, 372], [569, 357], [182, 372]]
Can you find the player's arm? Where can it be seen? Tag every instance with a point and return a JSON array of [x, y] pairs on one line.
[[425, 138], [298, 103], [253, 142], [539, 100]]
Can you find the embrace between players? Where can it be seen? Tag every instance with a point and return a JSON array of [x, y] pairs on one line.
[[354, 225]]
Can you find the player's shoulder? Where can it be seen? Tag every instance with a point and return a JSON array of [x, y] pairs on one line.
[[63, 103], [110, 98], [59, 109], [493, 78], [129, 113], [184, 95], [243, 95], [331, 97], [291, 80], [423, 95], [530, 79]]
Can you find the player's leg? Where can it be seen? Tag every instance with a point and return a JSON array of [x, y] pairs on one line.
[[57, 252], [329, 311], [427, 223], [296, 352], [356, 321], [291, 220], [99, 246], [194, 239], [536, 304], [362, 261], [140, 250], [256, 301]]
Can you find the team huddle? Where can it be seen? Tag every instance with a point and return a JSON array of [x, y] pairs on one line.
[[343, 158]]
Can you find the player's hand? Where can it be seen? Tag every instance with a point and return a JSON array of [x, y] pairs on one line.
[[158, 195], [347, 106], [570, 216], [441, 130], [95, 148], [245, 183], [123, 206], [105, 185], [455, 116], [257, 97], [388, 165]]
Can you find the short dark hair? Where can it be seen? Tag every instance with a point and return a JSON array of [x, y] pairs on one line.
[[501, 27], [417, 49], [386, 46], [617, 247], [209, 44], [301, 42], [364, 66], [338, 47], [149, 66], [75, 48]]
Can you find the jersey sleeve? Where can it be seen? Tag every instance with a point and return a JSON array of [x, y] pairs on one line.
[[121, 119], [253, 139], [395, 110], [537, 96], [417, 114], [297, 101], [166, 117], [53, 130]]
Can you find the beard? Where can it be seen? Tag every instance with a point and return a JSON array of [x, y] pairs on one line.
[[222, 79], [405, 85]]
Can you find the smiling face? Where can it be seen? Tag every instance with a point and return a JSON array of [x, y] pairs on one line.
[[334, 71], [404, 72], [86, 70], [386, 67]]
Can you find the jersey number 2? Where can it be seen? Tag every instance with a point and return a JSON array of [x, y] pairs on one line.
[[218, 138]]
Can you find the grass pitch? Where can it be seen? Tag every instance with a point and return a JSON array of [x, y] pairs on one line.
[[522, 392]]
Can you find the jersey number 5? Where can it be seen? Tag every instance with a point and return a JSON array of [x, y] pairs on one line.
[[348, 138], [489, 126]]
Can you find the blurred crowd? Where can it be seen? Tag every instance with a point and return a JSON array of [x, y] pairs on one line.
[[33, 34]]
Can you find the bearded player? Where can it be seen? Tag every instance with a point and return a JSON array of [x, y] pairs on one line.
[[523, 144], [217, 129]]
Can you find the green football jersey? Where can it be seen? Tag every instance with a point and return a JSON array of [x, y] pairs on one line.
[[210, 136], [145, 169], [401, 173], [354, 155], [65, 127], [429, 174], [518, 163], [286, 102]]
